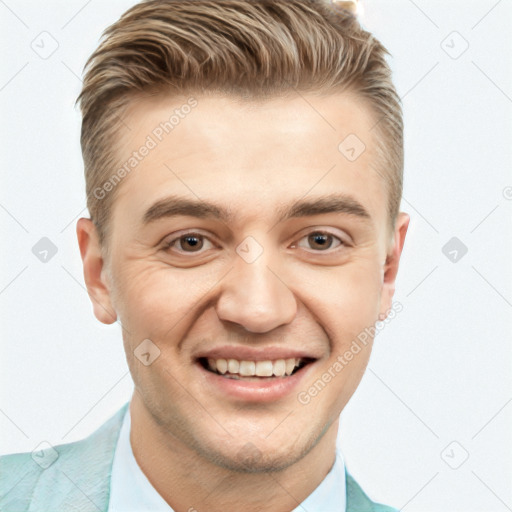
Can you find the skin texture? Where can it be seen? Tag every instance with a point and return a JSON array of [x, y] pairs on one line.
[[253, 158]]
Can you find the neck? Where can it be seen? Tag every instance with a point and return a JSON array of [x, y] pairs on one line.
[[190, 483]]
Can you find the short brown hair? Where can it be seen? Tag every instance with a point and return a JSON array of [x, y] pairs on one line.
[[245, 48]]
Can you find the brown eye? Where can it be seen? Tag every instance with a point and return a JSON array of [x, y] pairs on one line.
[[191, 243], [320, 241]]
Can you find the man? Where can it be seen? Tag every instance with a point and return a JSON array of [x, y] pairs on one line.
[[243, 164]]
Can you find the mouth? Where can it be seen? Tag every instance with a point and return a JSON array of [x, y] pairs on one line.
[[245, 374], [255, 371]]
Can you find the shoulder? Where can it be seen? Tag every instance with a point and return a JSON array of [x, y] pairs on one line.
[[45, 476], [358, 501]]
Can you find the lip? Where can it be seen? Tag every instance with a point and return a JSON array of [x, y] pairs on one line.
[[263, 390], [241, 353]]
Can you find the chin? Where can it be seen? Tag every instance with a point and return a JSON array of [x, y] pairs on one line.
[[249, 459], [260, 456]]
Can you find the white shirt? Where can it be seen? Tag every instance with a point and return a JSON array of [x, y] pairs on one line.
[[131, 491]]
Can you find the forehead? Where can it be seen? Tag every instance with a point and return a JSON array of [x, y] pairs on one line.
[[255, 156]]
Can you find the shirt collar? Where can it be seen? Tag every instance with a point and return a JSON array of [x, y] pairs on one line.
[[131, 491]]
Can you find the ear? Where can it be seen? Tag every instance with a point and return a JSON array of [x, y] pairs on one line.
[[95, 271], [390, 269]]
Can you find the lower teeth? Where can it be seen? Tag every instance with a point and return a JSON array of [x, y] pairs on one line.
[[239, 377]]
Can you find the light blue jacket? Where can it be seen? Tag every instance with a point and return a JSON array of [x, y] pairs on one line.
[[79, 479]]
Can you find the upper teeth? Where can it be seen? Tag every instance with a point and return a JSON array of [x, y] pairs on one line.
[[279, 368]]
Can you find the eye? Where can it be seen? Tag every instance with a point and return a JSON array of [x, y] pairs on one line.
[[320, 241], [189, 243]]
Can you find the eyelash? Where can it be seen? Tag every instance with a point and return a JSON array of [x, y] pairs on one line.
[[168, 245]]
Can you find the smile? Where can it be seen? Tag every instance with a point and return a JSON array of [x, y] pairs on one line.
[[235, 369], [256, 381]]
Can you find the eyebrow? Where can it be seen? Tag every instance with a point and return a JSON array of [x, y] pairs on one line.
[[172, 206]]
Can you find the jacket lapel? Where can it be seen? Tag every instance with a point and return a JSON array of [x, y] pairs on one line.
[[79, 480]]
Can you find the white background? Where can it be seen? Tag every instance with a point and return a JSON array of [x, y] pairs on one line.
[[440, 372]]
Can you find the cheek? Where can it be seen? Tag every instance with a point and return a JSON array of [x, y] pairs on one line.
[[346, 299], [359, 297], [153, 298], [346, 306]]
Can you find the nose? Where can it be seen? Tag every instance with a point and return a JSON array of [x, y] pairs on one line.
[[254, 296]]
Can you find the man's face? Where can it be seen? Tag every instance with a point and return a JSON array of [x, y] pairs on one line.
[[272, 246]]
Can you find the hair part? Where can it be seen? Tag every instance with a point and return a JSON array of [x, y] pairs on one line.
[[249, 49]]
